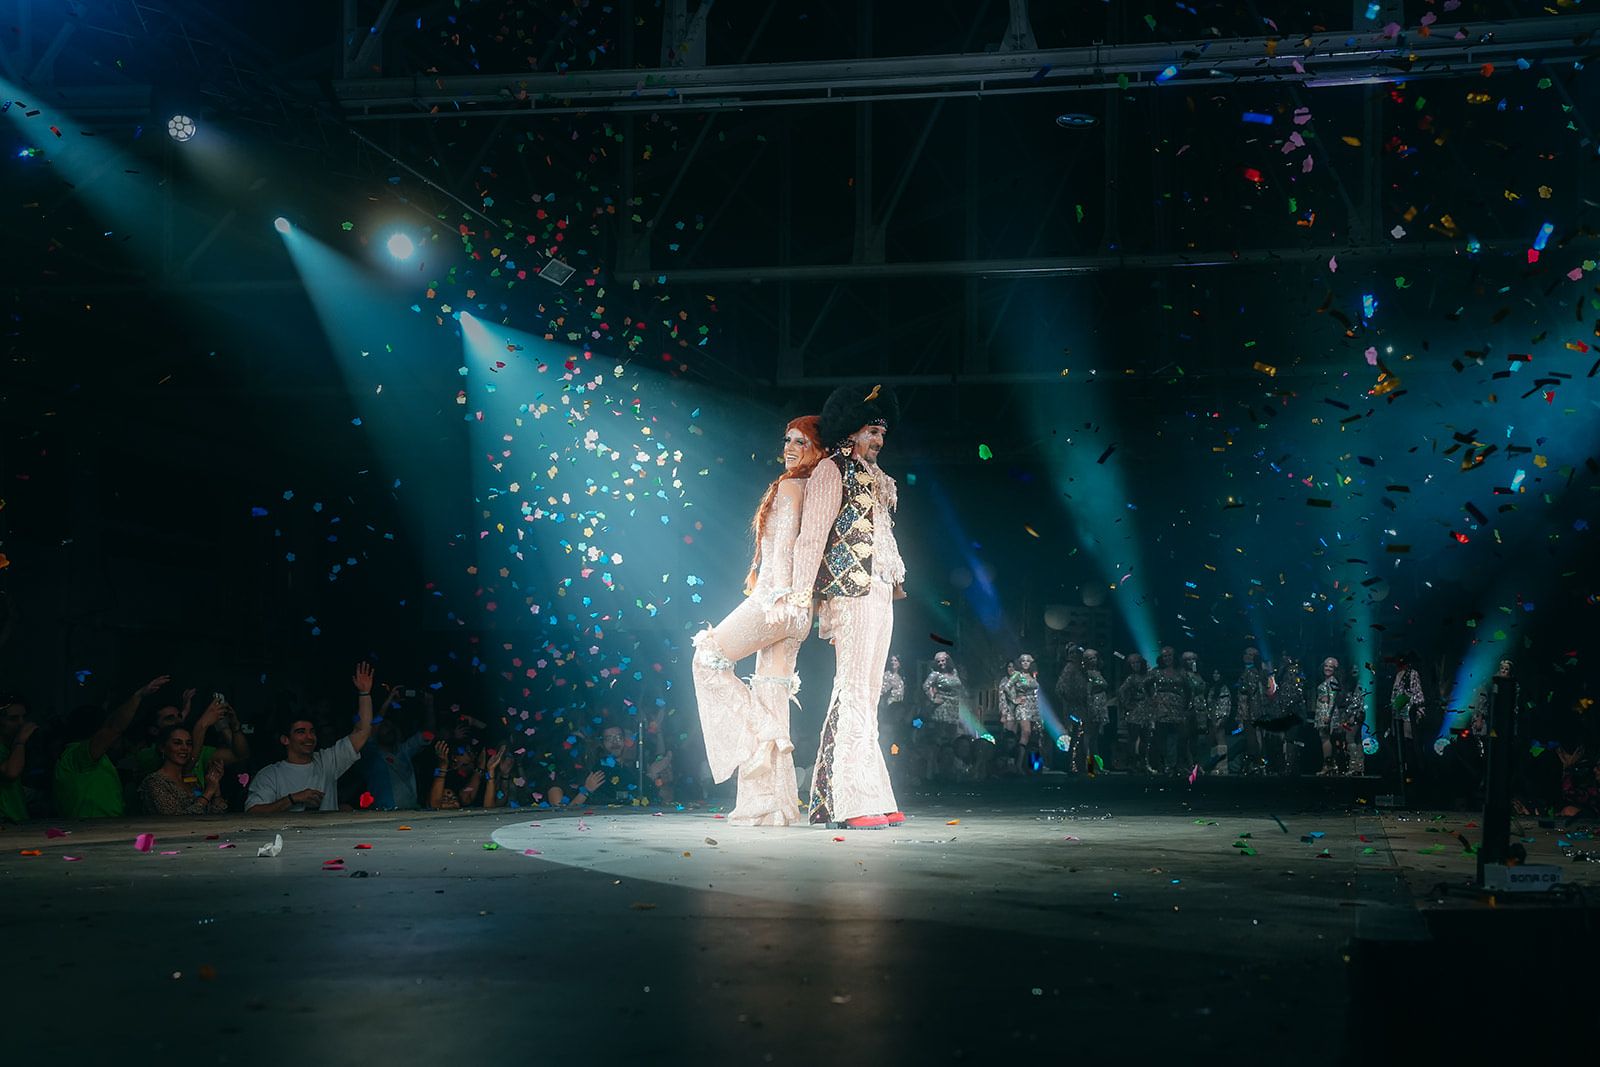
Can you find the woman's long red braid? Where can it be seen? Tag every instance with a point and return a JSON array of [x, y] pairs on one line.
[[806, 424]]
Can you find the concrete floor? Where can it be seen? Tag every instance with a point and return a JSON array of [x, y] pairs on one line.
[[1044, 918]]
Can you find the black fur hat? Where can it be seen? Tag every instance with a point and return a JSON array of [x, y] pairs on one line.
[[850, 407]]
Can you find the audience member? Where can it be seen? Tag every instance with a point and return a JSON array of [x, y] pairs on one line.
[[87, 785], [583, 794], [507, 782], [386, 763], [458, 778], [171, 789], [307, 778], [149, 757], [15, 729]]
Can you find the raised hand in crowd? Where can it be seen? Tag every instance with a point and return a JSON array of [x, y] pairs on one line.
[[362, 679], [116, 724], [436, 793]]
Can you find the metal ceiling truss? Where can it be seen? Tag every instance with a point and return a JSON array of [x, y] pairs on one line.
[[1337, 58]]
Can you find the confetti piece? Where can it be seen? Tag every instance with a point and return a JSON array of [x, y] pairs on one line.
[[144, 842]]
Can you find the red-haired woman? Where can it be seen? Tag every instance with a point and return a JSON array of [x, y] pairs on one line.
[[746, 726]]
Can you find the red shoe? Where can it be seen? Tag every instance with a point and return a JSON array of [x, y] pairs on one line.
[[866, 822], [895, 818]]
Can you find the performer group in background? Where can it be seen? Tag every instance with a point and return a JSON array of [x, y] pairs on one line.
[[1175, 720]]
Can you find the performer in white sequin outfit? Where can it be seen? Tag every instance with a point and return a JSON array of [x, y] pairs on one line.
[[847, 546], [746, 725]]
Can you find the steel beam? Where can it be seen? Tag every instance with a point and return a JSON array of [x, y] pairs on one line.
[[366, 49], [1336, 58], [1324, 60], [1059, 266]]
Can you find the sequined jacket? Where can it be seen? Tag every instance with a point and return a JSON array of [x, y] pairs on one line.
[[1291, 690], [1170, 695], [1133, 699], [1021, 689], [847, 557], [1219, 701], [845, 540], [893, 690], [943, 690], [1327, 702], [1097, 708], [1407, 699], [1251, 694]]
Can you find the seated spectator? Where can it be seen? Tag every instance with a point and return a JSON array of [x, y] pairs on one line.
[[87, 785], [386, 763], [15, 729], [307, 778], [509, 781], [557, 796], [458, 780], [171, 788], [611, 778], [149, 757], [659, 776]]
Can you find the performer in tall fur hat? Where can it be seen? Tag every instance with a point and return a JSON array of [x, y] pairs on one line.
[[847, 543]]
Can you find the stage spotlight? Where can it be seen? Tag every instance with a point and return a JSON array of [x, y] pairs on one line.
[[280, 224], [401, 247], [180, 127]]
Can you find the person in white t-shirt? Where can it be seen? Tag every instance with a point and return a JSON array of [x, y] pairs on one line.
[[306, 779]]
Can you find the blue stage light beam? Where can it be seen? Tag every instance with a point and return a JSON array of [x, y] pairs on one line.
[[1096, 493], [108, 179], [589, 485], [394, 365]]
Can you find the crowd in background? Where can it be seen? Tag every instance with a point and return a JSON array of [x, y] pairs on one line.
[[161, 750]]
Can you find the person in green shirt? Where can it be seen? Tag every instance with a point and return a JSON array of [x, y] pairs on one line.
[[15, 729], [87, 785]]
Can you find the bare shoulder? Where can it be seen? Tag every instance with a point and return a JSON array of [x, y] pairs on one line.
[[792, 489]]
